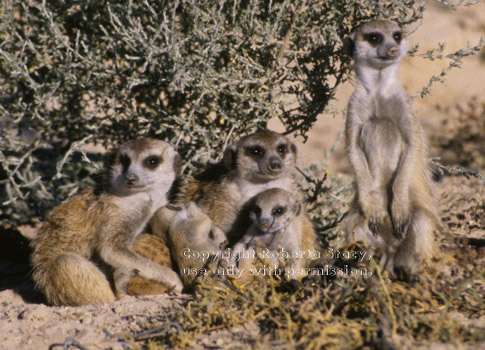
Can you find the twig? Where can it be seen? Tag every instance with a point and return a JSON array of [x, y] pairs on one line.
[[457, 170]]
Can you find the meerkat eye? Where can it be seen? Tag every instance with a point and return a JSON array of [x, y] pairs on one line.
[[278, 211], [152, 162], [397, 37], [282, 149], [374, 38], [257, 210], [125, 161], [256, 151]]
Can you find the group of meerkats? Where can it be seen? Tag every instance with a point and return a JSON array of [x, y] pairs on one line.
[[93, 249]]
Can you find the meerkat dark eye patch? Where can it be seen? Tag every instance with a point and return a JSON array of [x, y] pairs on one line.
[[397, 37], [278, 211], [282, 149], [255, 151], [374, 38], [125, 161], [152, 162], [257, 211]]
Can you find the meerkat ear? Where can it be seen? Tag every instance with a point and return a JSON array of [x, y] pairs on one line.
[[177, 164], [294, 149], [112, 158], [192, 210], [230, 156], [349, 45], [297, 208]]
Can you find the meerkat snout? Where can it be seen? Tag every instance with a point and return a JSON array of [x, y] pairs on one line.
[[393, 51], [131, 179], [275, 164]]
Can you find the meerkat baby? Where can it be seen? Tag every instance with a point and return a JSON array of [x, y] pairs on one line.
[[195, 242], [89, 237], [393, 209], [191, 246], [257, 162], [276, 231]]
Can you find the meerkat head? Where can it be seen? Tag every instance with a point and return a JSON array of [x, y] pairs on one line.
[[274, 209], [261, 157], [143, 165], [197, 226], [377, 44]]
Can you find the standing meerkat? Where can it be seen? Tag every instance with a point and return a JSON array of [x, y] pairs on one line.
[[393, 209], [277, 232], [96, 228]]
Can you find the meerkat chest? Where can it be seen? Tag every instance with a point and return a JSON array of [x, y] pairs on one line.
[[269, 240], [281, 239], [249, 190], [138, 207]]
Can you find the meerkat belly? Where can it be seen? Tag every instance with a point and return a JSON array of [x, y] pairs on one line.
[[382, 144]]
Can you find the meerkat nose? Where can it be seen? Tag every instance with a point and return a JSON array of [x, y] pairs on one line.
[[393, 51], [131, 179], [274, 164], [264, 223]]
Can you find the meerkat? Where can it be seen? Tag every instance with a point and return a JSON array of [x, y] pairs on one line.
[[273, 215], [85, 243], [192, 246], [393, 209], [276, 234], [195, 242], [260, 161]]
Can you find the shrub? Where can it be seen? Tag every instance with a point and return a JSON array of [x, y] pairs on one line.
[[198, 74]]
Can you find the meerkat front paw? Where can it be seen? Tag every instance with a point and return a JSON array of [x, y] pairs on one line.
[[400, 217], [374, 211], [174, 282], [121, 277]]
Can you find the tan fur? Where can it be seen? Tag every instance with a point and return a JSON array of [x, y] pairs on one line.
[[85, 243], [222, 194], [156, 249], [278, 225], [394, 208], [187, 231], [244, 175], [193, 234]]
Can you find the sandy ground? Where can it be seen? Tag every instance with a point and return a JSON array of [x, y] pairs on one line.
[[27, 323]]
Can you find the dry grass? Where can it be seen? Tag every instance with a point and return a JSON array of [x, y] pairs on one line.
[[344, 312]]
